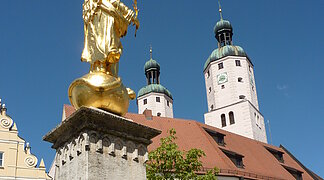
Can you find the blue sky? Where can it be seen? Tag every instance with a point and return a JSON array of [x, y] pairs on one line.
[[41, 43]]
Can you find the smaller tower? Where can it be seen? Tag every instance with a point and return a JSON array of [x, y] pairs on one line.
[[154, 96]]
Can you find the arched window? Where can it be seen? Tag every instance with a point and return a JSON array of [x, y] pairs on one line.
[[158, 114], [231, 117], [223, 118]]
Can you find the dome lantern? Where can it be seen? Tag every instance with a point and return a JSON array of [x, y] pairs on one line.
[[152, 70], [223, 31]]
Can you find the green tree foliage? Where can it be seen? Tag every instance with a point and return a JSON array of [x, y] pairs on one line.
[[167, 162]]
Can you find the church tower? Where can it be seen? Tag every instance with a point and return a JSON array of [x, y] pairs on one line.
[[154, 96], [231, 91]]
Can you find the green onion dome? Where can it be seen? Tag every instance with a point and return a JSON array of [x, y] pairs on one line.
[[222, 25], [228, 50], [151, 64], [157, 88]]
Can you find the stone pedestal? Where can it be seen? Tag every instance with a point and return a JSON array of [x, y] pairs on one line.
[[94, 144]]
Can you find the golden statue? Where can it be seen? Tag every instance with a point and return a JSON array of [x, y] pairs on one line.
[[105, 22]]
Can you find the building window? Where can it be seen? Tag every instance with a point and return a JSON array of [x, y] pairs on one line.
[[145, 101], [240, 79], [218, 137], [208, 74], [277, 154], [223, 86], [158, 114], [227, 39], [212, 107], [238, 62], [209, 90], [1, 159], [298, 175], [157, 99], [223, 119], [168, 103], [236, 158], [220, 66], [231, 117], [241, 97]]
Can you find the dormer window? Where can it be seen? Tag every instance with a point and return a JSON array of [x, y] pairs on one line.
[[298, 175], [218, 137], [277, 154], [236, 158]]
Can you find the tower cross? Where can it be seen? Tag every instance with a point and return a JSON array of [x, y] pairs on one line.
[[220, 10]]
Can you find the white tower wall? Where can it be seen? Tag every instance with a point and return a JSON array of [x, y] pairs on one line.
[[248, 121], [219, 97], [226, 93], [164, 107]]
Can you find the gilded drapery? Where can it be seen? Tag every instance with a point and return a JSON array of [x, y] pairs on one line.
[[105, 22]]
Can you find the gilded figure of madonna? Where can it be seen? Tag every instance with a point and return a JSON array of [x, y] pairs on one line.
[[105, 22]]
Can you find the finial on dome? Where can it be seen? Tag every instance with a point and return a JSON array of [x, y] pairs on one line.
[[151, 51], [220, 10]]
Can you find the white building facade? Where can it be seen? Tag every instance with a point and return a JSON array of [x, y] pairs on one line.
[[154, 96], [231, 90]]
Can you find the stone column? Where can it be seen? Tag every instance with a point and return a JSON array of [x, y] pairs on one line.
[[94, 144]]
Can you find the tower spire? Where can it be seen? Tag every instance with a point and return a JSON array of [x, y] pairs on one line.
[[220, 10], [151, 52]]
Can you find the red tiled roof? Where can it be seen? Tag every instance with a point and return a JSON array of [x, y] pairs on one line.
[[258, 162]]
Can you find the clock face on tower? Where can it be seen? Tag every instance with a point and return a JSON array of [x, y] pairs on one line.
[[222, 78]]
